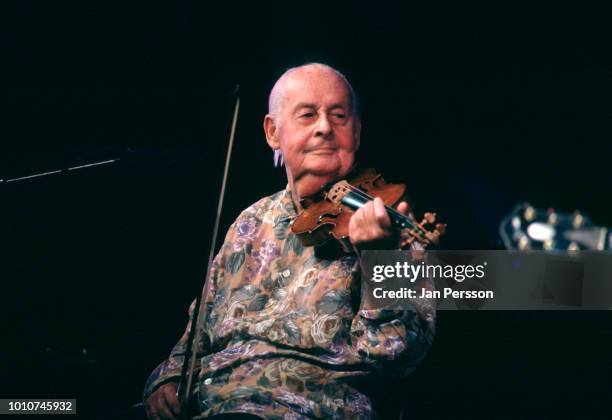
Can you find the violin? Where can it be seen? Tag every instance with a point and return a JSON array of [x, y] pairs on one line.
[[326, 214]]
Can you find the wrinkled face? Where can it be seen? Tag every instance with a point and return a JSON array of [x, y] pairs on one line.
[[316, 130]]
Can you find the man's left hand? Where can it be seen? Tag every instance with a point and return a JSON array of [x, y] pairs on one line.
[[369, 227]]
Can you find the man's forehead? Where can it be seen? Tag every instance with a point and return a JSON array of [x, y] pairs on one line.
[[313, 87]]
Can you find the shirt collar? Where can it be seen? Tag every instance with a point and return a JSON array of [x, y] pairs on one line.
[[285, 206]]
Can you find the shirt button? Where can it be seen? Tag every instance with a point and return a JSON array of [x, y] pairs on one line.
[[207, 381], [286, 273]]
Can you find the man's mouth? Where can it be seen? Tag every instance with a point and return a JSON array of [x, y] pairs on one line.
[[322, 151]]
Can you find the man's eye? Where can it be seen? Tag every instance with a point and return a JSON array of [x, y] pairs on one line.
[[307, 115]]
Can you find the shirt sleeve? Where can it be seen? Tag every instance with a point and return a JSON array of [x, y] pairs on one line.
[[170, 369], [394, 342]]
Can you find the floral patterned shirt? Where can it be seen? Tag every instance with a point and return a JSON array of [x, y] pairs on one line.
[[283, 337]]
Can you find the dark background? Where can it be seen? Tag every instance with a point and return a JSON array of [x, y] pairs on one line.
[[475, 107]]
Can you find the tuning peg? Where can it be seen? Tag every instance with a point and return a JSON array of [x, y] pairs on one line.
[[428, 218], [441, 228], [421, 234]]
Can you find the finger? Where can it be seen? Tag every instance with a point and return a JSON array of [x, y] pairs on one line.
[[371, 226], [402, 207], [381, 213], [151, 406], [172, 401], [357, 224], [166, 413], [164, 410]]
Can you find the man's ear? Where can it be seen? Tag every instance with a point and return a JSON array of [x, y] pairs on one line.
[[271, 129], [357, 133]]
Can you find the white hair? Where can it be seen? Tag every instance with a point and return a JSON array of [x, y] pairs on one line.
[[277, 96]]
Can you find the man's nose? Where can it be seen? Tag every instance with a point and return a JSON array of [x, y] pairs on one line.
[[324, 127]]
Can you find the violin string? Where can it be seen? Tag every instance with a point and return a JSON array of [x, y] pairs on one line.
[[365, 195], [368, 197]]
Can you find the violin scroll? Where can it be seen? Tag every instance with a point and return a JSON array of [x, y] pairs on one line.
[[420, 233]]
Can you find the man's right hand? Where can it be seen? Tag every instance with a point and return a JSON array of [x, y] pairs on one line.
[[163, 403]]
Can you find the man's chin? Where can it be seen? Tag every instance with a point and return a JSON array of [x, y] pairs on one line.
[[324, 166], [329, 173]]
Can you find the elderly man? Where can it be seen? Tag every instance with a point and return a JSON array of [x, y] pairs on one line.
[[282, 336]]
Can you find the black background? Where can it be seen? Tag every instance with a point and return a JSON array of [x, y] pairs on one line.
[[475, 107]]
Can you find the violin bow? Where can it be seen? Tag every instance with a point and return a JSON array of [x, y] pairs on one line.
[[195, 333]]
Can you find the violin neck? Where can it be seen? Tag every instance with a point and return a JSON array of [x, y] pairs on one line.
[[355, 201]]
